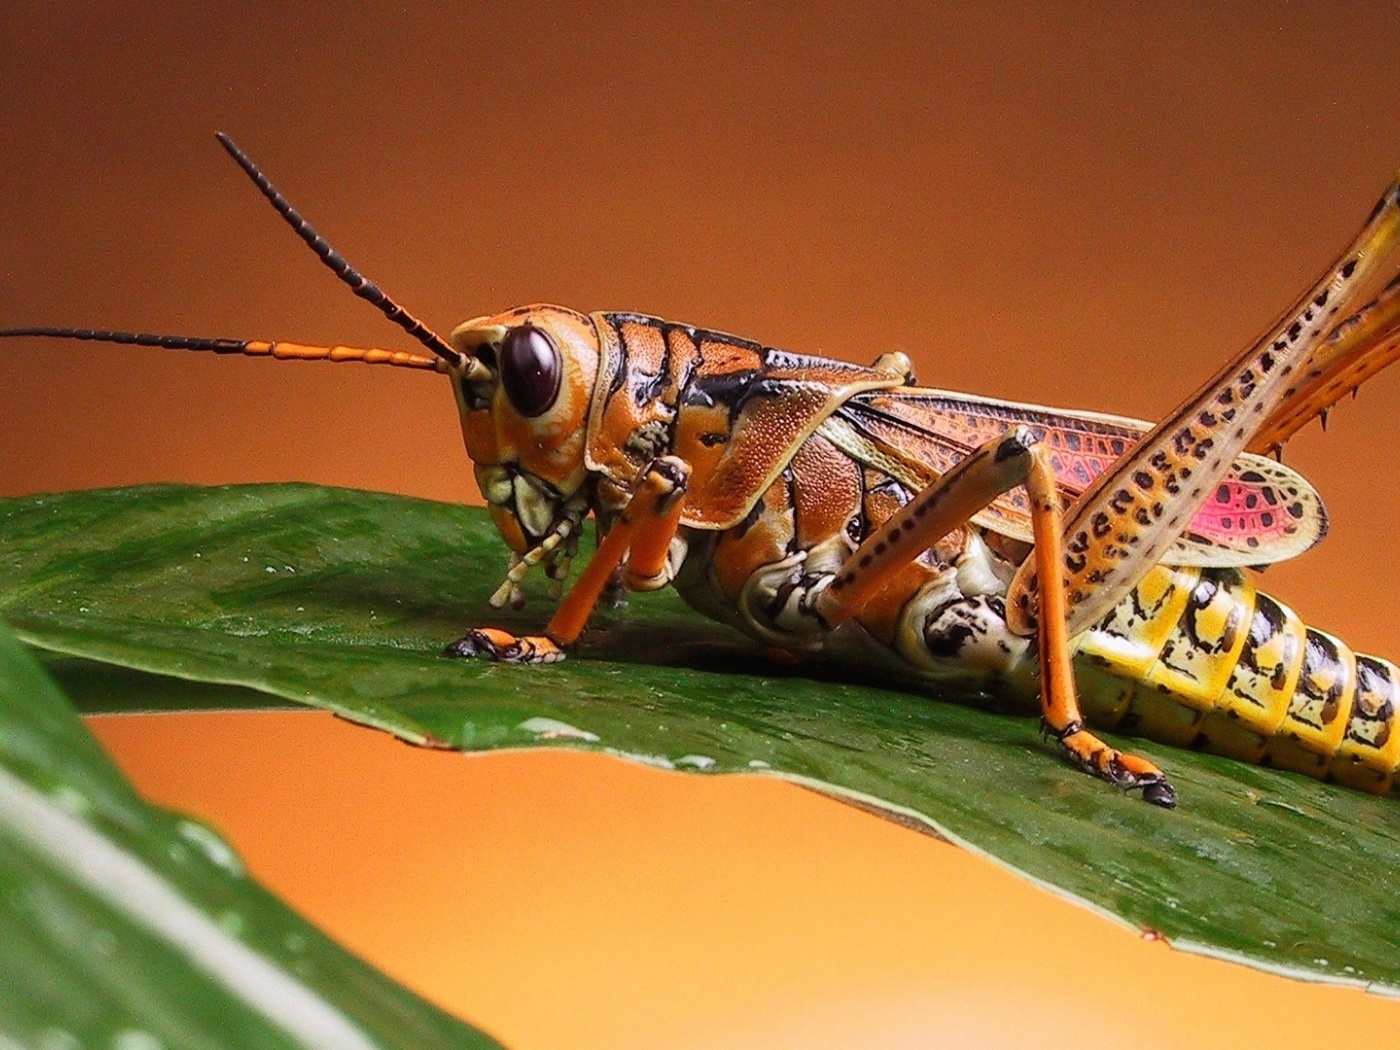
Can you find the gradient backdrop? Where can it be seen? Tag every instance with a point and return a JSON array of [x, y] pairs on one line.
[[1073, 205]]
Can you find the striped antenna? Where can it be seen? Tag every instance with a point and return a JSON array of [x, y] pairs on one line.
[[359, 284], [250, 347]]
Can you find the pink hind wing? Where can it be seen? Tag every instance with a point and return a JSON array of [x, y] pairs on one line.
[[1262, 512]]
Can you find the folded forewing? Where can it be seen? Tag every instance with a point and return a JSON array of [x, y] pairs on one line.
[[1262, 512]]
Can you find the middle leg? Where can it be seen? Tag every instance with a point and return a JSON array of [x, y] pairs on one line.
[[1016, 458]]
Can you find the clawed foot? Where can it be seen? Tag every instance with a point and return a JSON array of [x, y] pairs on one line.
[[495, 644], [1128, 771]]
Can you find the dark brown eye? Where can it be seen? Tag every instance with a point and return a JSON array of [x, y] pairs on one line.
[[530, 370]]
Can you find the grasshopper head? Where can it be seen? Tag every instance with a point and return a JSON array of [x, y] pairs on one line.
[[523, 389]]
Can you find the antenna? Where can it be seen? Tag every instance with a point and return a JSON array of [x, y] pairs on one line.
[[250, 347], [359, 284]]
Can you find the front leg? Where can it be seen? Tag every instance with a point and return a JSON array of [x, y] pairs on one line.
[[640, 538]]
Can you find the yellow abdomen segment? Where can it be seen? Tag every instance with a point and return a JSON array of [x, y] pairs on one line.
[[1198, 658]]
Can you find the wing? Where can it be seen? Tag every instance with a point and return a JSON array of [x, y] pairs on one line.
[[1262, 512]]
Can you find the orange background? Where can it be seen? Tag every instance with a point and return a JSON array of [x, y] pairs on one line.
[[1073, 205]]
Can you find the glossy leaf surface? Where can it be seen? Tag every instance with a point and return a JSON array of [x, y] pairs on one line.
[[344, 600]]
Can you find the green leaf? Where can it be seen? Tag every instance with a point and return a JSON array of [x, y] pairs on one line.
[[344, 600], [124, 925]]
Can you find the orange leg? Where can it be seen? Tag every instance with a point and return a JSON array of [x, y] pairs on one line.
[[1126, 520], [1059, 703], [1014, 459], [645, 526]]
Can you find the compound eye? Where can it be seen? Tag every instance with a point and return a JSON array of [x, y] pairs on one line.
[[530, 370]]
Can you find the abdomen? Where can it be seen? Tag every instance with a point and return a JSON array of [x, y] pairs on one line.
[[1195, 658], [1198, 658]]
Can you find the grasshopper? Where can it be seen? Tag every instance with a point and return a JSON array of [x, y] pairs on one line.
[[822, 506]]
